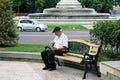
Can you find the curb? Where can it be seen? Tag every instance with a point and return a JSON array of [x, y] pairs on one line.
[[31, 57], [20, 55]]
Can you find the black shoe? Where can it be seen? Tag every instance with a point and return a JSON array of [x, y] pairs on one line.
[[46, 68], [52, 69]]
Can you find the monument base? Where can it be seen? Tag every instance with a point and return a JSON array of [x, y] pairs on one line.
[[69, 12]]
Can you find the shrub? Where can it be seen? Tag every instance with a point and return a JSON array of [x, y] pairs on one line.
[[108, 34]]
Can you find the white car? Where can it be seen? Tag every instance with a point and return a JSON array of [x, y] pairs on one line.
[[30, 24]]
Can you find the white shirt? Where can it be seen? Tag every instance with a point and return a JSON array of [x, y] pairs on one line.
[[61, 41]]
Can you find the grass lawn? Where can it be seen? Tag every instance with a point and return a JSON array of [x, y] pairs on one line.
[[25, 48], [103, 58], [68, 27]]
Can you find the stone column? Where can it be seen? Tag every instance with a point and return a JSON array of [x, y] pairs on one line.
[[69, 4]]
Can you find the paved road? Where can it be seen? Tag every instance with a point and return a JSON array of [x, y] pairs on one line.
[[46, 37]]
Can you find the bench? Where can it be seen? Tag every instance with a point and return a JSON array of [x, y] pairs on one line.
[[82, 52]]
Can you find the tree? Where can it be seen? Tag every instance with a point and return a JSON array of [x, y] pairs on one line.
[[28, 6], [31, 6], [51, 3], [8, 31], [107, 6], [18, 4], [39, 5], [103, 6], [115, 2]]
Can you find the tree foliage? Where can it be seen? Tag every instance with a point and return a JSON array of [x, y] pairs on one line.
[[30, 6], [39, 5], [103, 6], [8, 35], [116, 2], [51, 3]]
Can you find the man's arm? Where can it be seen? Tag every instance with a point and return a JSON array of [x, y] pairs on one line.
[[62, 48], [53, 41]]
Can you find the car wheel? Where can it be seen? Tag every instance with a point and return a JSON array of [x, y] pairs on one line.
[[19, 29], [38, 29]]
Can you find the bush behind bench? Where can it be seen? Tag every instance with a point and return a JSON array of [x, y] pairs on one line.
[[108, 34]]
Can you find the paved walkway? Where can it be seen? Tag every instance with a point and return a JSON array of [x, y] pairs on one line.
[[16, 70]]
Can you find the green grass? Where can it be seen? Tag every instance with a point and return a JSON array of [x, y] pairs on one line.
[[106, 58], [68, 27], [103, 58], [109, 55], [24, 48]]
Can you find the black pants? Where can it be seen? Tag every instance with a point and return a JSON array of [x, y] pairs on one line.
[[48, 57]]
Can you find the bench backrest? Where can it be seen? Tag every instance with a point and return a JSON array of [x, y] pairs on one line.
[[82, 47]]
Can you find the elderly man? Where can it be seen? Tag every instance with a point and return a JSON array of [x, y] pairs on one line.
[[60, 44]]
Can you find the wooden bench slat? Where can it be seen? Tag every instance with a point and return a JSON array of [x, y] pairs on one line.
[[73, 54], [83, 41], [69, 58]]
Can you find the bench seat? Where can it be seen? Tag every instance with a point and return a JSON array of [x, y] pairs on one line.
[[70, 58]]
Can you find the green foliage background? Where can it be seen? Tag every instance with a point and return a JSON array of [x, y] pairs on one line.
[[8, 35], [31, 6], [108, 34], [102, 6]]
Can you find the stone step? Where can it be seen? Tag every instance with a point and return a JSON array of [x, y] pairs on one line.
[[72, 16], [69, 11], [70, 20], [81, 23], [88, 25]]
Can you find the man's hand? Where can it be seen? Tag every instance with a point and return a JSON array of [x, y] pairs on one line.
[[52, 42], [54, 48]]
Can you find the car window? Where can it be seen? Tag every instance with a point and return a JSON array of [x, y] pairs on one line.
[[26, 21], [30, 21], [23, 21]]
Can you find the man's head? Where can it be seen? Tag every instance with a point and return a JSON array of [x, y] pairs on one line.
[[57, 31]]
